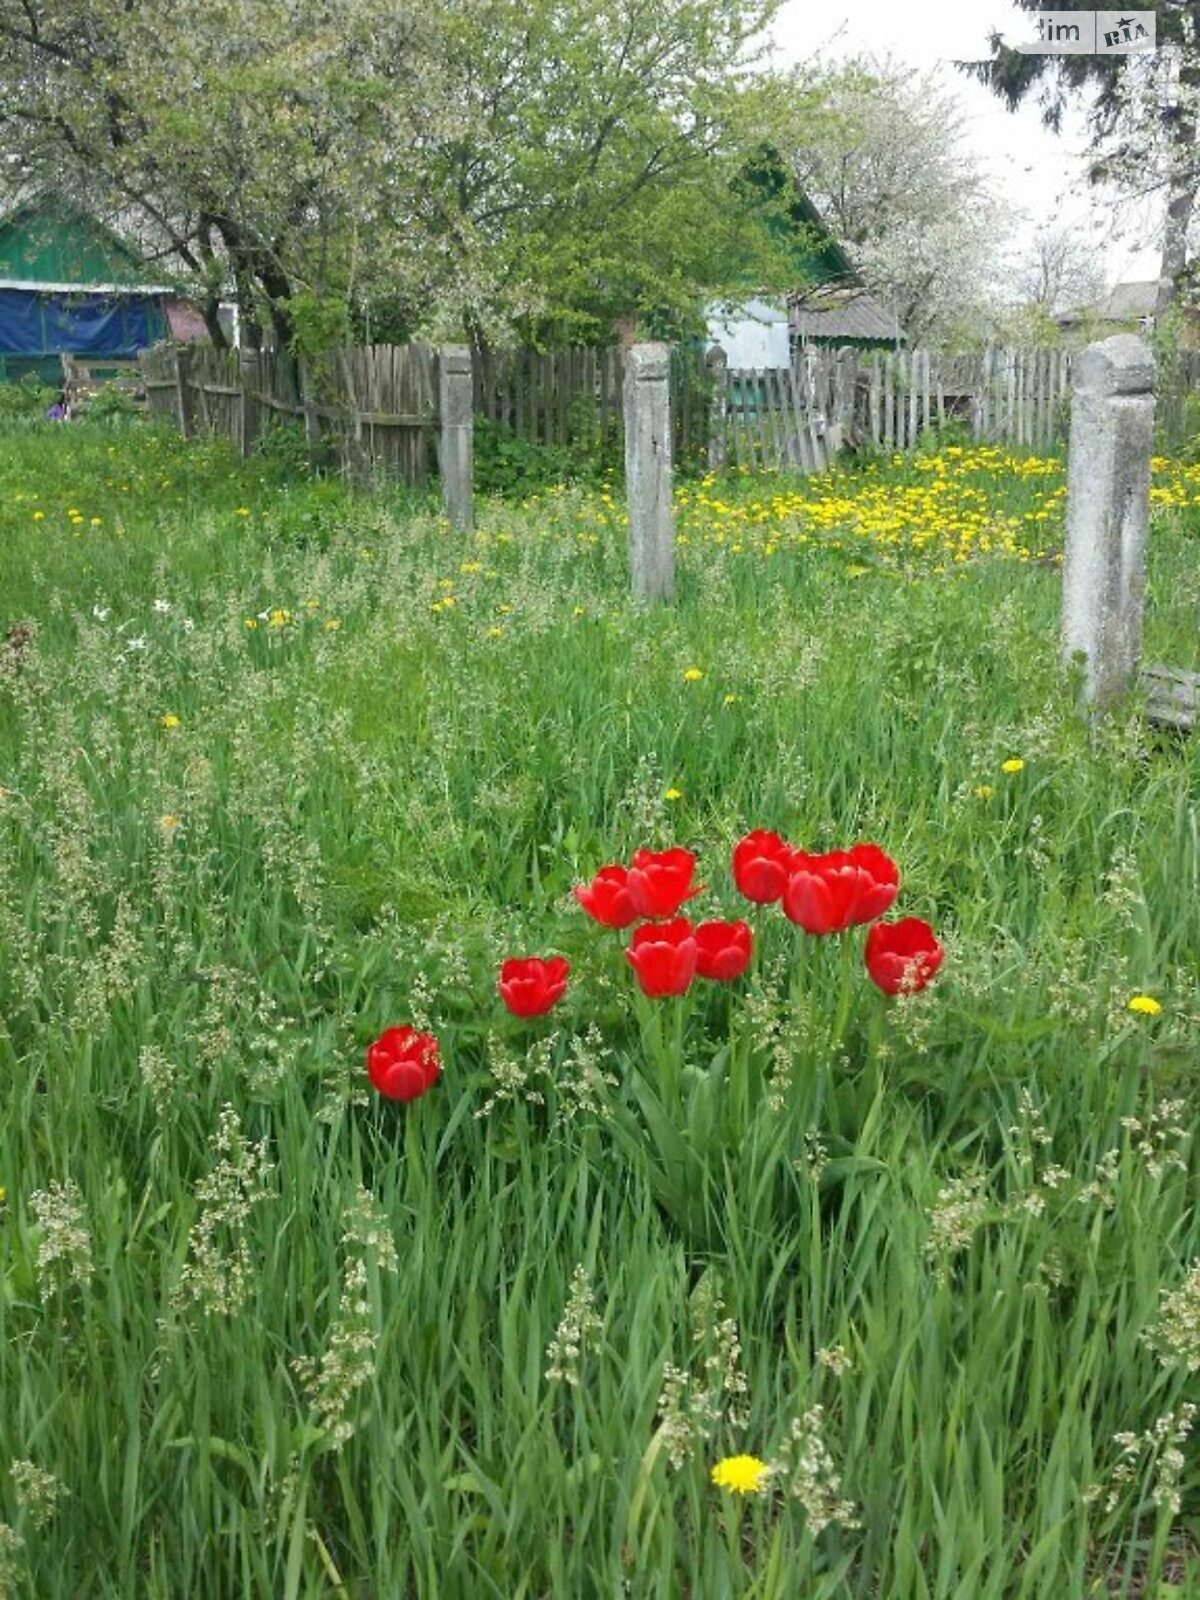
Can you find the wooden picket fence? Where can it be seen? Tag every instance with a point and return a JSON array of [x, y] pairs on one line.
[[368, 410], [374, 409]]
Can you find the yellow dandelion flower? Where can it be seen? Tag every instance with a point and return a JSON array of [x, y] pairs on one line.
[[731, 700], [279, 618], [1013, 764], [39, 516], [252, 623], [673, 794], [984, 791], [333, 624], [741, 1474], [1145, 1005], [168, 720], [692, 675], [96, 522], [495, 633], [241, 511]]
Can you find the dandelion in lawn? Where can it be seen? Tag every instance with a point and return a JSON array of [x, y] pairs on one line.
[[39, 516], [673, 794], [730, 700], [741, 1474], [1145, 1005], [279, 618], [495, 633], [579, 612], [333, 624], [168, 720], [251, 623], [1012, 765], [983, 791], [96, 522], [692, 675], [241, 511]]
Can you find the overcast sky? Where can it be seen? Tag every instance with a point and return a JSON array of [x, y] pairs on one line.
[[1039, 173]]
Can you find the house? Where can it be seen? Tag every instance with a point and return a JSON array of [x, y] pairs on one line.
[[1130, 307], [70, 286], [827, 304]]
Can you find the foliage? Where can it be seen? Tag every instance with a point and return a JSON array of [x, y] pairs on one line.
[[506, 464], [441, 169], [265, 795], [111, 401], [29, 397], [1143, 111], [927, 247]]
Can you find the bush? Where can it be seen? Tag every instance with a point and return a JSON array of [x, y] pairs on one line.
[[28, 398], [110, 401]]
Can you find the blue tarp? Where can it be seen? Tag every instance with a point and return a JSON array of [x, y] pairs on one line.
[[118, 326]]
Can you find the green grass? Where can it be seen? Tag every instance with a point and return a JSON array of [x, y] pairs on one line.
[[371, 797]]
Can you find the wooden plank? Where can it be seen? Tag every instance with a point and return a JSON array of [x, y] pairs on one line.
[[771, 401], [889, 411], [737, 416], [914, 398]]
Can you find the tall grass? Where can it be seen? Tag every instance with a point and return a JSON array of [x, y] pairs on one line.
[[280, 768]]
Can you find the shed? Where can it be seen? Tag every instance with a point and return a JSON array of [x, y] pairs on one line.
[[70, 286], [840, 314]]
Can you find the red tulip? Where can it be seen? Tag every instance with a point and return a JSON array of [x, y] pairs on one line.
[[827, 893], [664, 956], [607, 898], [724, 950], [661, 880], [902, 956], [529, 986], [761, 863], [403, 1063]]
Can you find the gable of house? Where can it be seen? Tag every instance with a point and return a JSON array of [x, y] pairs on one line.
[[70, 286]]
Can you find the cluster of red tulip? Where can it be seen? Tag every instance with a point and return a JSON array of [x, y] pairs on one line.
[[822, 894]]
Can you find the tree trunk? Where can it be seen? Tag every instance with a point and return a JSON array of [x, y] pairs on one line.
[[1185, 177]]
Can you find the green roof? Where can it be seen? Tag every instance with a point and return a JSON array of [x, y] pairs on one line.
[[49, 241]]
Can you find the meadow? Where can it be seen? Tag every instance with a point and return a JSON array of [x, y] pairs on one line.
[[280, 769]]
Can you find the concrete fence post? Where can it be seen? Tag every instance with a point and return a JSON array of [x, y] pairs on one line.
[[1108, 513], [648, 471], [249, 409], [457, 437], [717, 362]]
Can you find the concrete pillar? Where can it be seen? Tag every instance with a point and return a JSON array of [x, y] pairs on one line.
[[249, 409], [456, 453], [1108, 513], [648, 471], [717, 362]]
